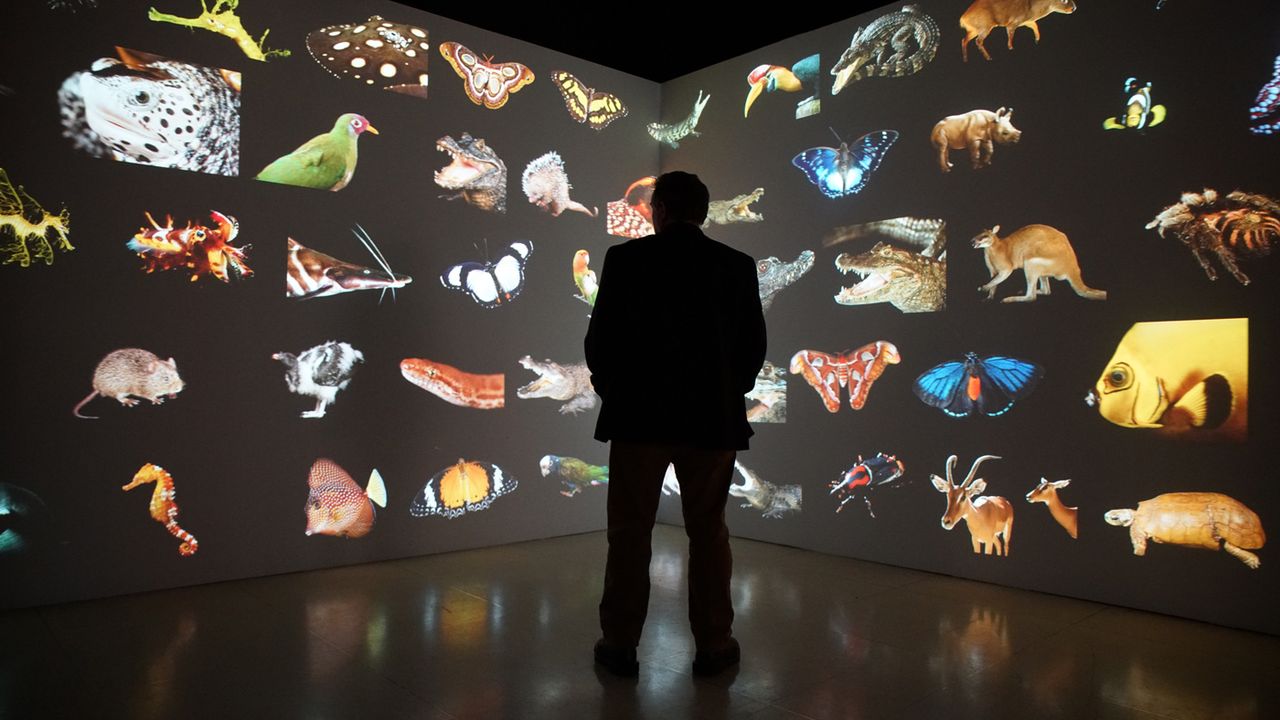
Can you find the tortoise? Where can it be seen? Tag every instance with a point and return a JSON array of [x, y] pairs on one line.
[[1194, 519]]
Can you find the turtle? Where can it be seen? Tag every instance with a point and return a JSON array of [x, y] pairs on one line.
[[1194, 519]]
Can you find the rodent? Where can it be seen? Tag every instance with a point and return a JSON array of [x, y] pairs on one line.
[[133, 372]]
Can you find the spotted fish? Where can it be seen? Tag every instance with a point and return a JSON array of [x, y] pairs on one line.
[[337, 506], [147, 109]]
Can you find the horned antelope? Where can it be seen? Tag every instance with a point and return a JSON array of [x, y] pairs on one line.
[[989, 517], [1047, 492]]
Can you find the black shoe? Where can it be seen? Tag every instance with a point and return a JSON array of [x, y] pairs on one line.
[[619, 660], [714, 662]]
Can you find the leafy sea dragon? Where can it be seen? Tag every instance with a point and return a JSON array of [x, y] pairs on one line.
[[222, 19], [31, 226], [575, 474], [893, 45], [673, 134], [774, 275], [737, 209], [311, 273]]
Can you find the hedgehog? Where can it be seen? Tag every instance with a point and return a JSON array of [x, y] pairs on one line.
[[547, 186]]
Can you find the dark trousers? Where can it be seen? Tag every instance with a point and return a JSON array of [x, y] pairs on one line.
[[635, 485]]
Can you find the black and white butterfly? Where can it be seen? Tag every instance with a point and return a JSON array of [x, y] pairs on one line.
[[492, 283], [845, 171]]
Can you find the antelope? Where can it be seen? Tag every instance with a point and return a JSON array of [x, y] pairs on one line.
[[989, 517], [1047, 492]]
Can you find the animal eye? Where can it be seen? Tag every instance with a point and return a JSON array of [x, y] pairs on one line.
[[315, 504], [355, 123], [1119, 377], [142, 97]]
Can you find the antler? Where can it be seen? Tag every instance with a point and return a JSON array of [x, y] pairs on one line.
[[973, 471]]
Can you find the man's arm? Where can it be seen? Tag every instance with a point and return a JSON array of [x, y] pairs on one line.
[[600, 344]]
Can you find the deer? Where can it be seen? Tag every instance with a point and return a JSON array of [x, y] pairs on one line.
[[1047, 492], [983, 16], [989, 517]]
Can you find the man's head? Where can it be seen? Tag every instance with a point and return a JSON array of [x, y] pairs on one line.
[[679, 197]]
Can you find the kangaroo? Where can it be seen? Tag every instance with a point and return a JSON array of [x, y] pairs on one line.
[[983, 16], [1041, 251]]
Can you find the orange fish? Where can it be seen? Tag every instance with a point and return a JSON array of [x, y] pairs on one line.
[[337, 506]]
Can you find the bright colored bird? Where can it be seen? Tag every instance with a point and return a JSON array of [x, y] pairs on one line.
[[325, 162], [585, 278]]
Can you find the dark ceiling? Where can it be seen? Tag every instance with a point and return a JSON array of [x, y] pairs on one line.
[[647, 46]]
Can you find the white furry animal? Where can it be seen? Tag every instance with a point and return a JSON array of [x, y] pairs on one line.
[[547, 186], [320, 372]]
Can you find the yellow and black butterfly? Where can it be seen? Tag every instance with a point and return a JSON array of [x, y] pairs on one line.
[[588, 105]]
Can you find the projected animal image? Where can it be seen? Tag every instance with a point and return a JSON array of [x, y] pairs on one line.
[[120, 109], [163, 507], [1187, 378], [978, 131], [1230, 227], [222, 19], [464, 389], [773, 275], [493, 283], [734, 210], [320, 372], [197, 249], [128, 374], [769, 499], [311, 273], [973, 387], [673, 133], [911, 282], [865, 478], [576, 475], [547, 186], [1139, 112], [594, 108], [845, 170], [1265, 113], [632, 217], [485, 82], [325, 162], [1208, 520], [24, 519], [767, 401], [36, 232], [983, 16], [893, 45], [855, 369], [475, 172], [335, 503], [466, 486], [989, 517], [570, 383], [1041, 252], [584, 278], [801, 76], [1047, 492], [377, 53]]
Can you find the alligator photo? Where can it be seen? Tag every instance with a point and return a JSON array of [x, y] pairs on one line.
[[767, 401], [476, 172], [771, 500], [571, 383], [735, 210], [909, 281], [893, 45], [774, 275]]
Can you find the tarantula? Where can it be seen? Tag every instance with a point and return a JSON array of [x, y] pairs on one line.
[[1239, 224]]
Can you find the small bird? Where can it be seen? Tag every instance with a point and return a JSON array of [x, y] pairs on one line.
[[325, 162], [574, 473], [320, 372], [585, 278]]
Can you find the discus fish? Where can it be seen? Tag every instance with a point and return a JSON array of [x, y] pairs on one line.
[[22, 515], [672, 134], [1185, 376], [151, 110], [337, 506]]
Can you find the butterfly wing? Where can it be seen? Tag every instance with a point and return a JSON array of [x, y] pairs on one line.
[[819, 166], [940, 386], [576, 95], [1016, 378], [508, 271], [603, 108], [475, 279], [857, 162]]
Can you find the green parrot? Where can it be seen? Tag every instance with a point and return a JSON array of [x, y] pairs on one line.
[[585, 278], [574, 473], [325, 162]]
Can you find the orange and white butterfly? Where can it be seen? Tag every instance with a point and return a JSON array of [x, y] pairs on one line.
[[467, 486], [857, 369], [487, 83], [586, 104]]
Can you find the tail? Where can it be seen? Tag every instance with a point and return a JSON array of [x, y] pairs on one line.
[[1084, 291], [76, 410]]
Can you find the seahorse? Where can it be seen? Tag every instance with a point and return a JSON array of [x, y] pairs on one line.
[[163, 508]]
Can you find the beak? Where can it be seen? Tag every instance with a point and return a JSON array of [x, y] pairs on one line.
[[370, 128], [756, 88]]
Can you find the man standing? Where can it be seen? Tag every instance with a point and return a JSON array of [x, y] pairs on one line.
[[676, 340]]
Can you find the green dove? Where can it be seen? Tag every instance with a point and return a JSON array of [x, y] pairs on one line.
[[325, 162]]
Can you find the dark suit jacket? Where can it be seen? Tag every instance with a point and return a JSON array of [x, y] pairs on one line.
[[676, 339]]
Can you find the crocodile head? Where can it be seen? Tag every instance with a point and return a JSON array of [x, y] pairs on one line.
[[774, 275], [741, 206], [474, 166], [552, 381], [909, 281]]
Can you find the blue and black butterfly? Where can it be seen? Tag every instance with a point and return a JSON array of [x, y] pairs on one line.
[[962, 388], [847, 170]]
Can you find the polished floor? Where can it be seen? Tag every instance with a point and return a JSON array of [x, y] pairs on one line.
[[507, 633]]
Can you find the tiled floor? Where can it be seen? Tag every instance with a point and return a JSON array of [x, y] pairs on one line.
[[507, 633]]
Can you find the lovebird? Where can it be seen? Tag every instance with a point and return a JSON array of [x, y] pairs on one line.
[[585, 278], [325, 162], [575, 474]]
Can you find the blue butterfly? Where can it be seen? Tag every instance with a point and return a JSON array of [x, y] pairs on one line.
[[973, 386], [845, 171]]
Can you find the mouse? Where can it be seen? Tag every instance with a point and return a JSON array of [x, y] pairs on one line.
[[131, 373]]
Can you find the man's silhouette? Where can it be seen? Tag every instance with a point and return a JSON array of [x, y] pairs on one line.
[[676, 339]]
